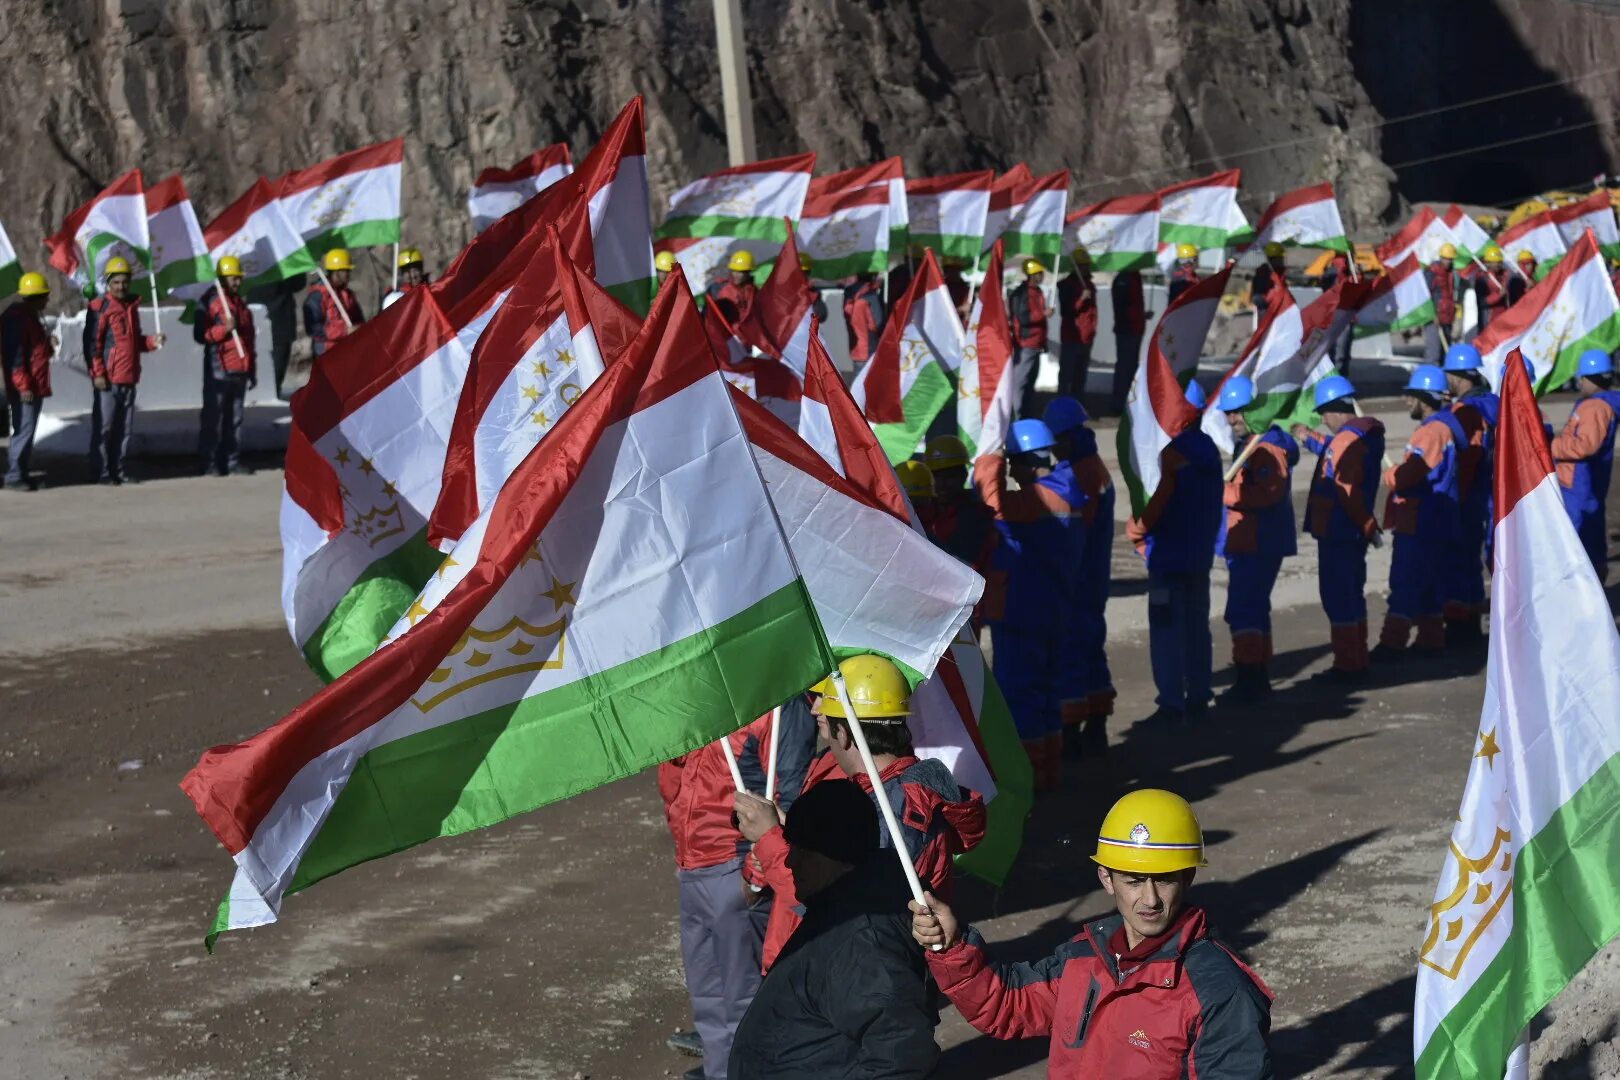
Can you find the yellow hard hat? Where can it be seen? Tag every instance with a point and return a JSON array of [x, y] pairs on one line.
[[1033, 266], [665, 261], [1448, 251], [1273, 249], [1151, 831], [336, 259], [1523, 255], [1081, 256], [945, 452], [805, 262], [876, 689], [229, 266], [409, 257], [116, 265], [1186, 251], [742, 261], [1492, 254], [32, 284], [916, 479]]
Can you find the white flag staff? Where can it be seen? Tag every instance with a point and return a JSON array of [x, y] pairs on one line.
[[731, 763], [770, 763], [327, 283]]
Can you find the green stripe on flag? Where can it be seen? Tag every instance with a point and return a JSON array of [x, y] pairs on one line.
[[635, 295], [740, 228], [1123, 449], [950, 245], [371, 607], [474, 772], [1199, 236], [922, 403], [356, 234], [1564, 910], [186, 272], [1605, 336], [299, 262], [993, 858], [861, 262], [1039, 245], [10, 276]]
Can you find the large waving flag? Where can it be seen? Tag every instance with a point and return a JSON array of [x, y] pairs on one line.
[[11, 270], [1399, 300], [1469, 238], [366, 452], [179, 250], [1007, 196], [1276, 341], [497, 192], [909, 378], [1203, 212], [1035, 227], [256, 230], [1420, 238], [1308, 217], [352, 200], [780, 322], [1570, 310], [737, 209], [1539, 235], [847, 226], [1530, 887], [1119, 234], [1157, 409], [1595, 212], [948, 213], [984, 399], [112, 223], [529, 668]]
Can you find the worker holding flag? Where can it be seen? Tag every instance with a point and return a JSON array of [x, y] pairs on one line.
[[1476, 409], [331, 309], [115, 370], [230, 369], [25, 359], [1027, 312], [1584, 454], [1440, 277]]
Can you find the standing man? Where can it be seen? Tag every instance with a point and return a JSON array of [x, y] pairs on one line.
[[1441, 278], [115, 371], [1584, 455], [324, 307], [664, 264], [1087, 688], [1026, 310], [1267, 279], [1176, 534], [1520, 283], [1077, 312], [864, 316], [1339, 513], [1476, 409], [25, 359], [1423, 513], [1130, 324], [1491, 287], [412, 273], [230, 360], [957, 521], [818, 306], [1258, 536], [735, 295], [1185, 275], [87, 346], [1146, 992]]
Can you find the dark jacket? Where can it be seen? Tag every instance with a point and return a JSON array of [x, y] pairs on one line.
[[848, 996], [323, 322]]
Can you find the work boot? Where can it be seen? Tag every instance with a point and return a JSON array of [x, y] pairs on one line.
[[1385, 653], [1249, 684], [686, 1042], [1431, 635], [1165, 720], [694, 1074]]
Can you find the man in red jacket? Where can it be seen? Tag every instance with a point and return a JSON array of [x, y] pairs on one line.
[[1145, 992], [25, 358], [115, 369], [230, 369], [1077, 308], [864, 315], [1441, 278], [331, 309], [1026, 310]]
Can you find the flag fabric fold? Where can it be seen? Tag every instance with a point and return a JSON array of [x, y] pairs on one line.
[[255, 229], [1420, 238], [112, 223], [737, 209], [1595, 212], [1469, 238], [1540, 236], [984, 400], [1203, 212], [1398, 300], [847, 225], [948, 213], [1035, 227], [1119, 234], [179, 250], [497, 192], [352, 200], [1308, 217], [11, 270], [1570, 310]]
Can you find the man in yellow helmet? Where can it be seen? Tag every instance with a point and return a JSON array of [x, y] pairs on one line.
[[329, 301], [25, 361], [1491, 286], [1440, 275], [412, 273], [1145, 992], [230, 368], [1185, 275], [1028, 313], [818, 306], [734, 297], [115, 371], [664, 263]]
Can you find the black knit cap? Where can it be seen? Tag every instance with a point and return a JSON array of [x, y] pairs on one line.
[[836, 819]]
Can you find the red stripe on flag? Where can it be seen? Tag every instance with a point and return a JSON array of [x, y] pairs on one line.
[[1010, 187], [1595, 203], [234, 217], [826, 203], [1407, 236], [1166, 395], [780, 305], [862, 176], [1529, 225], [375, 156], [939, 185], [1230, 178], [1293, 200], [794, 163], [62, 246], [1523, 459], [166, 193], [994, 337], [883, 402], [547, 157], [1121, 204]]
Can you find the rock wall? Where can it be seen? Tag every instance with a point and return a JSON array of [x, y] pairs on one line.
[[1127, 96]]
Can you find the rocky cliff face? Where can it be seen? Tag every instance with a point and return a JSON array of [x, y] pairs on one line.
[[1128, 96]]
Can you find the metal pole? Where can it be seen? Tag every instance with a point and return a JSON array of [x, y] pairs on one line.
[[157, 317], [394, 283], [739, 103], [770, 766], [237, 341], [343, 311]]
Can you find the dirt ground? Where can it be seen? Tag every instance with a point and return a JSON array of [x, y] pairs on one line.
[[142, 626]]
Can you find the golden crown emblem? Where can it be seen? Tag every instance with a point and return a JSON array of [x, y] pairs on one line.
[[379, 523], [482, 656], [1457, 920]]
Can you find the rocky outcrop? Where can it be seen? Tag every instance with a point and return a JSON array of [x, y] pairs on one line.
[[1127, 96]]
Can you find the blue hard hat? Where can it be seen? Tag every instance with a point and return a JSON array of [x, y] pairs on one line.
[[1029, 436], [1236, 393], [1064, 414], [1428, 379], [1333, 388], [1462, 357], [1196, 396], [1594, 362]]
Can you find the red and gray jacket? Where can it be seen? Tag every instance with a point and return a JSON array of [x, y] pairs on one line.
[[25, 350], [863, 315], [219, 346], [1077, 301], [323, 322], [1026, 312], [116, 353], [1178, 1006], [1442, 282]]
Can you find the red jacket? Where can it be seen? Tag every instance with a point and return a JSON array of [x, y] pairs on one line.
[[735, 301], [1178, 1006], [863, 314], [322, 319], [1026, 312], [1130, 310], [939, 820], [119, 343], [1442, 282], [220, 345], [25, 348], [1077, 305]]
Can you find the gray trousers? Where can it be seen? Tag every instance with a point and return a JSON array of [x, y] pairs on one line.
[[24, 419], [110, 424], [722, 941], [220, 438], [1074, 360]]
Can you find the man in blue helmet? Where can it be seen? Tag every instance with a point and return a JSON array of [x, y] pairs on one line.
[[1583, 454], [1423, 512], [1476, 409], [1257, 535], [1176, 534], [1086, 690], [1339, 513], [1039, 557]]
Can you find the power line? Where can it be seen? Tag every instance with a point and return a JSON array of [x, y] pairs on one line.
[[1465, 151]]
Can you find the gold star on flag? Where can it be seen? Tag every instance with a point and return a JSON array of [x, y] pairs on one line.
[[366, 466], [444, 567], [1488, 748], [560, 594], [541, 418], [390, 490], [531, 392], [539, 367], [342, 456], [415, 611], [564, 356]]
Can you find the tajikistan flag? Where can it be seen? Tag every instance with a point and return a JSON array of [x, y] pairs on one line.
[[257, 232], [179, 250], [1595, 212], [352, 200], [948, 213], [11, 270], [909, 378], [1308, 217], [497, 192], [1567, 312], [1157, 409], [627, 598], [112, 223], [984, 400], [1006, 199], [1420, 239], [782, 320], [366, 452], [1203, 212], [1035, 226], [735, 209], [846, 231], [1529, 888], [1399, 300], [1119, 234], [1469, 239], [1540, 236]]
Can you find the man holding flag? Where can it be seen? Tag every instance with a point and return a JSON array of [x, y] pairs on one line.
[[230, 369], [115, 370], [331, 309], [25, 360], [1584, 452]]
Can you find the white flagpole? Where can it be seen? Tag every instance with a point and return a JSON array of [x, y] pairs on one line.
[[235, 338], [157, 317], [770, 764], [395, 282], [731, 763], [343, 311]]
